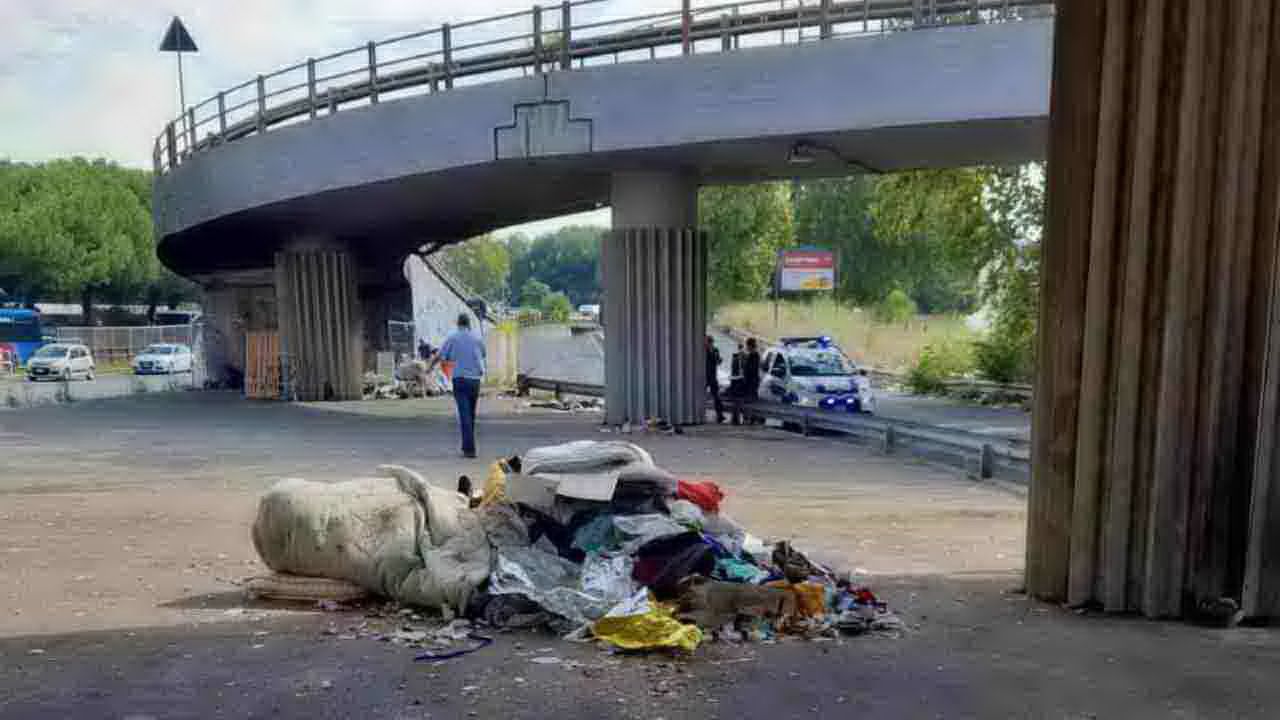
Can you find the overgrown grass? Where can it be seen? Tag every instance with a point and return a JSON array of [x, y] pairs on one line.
[[894, 347]]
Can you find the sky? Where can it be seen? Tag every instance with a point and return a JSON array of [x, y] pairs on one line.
[[84, 77]]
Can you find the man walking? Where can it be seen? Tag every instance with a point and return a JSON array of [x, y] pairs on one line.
[[713, 379], [466, 353]]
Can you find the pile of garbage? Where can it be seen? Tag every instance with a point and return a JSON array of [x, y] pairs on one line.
[[592, 539], [410, 379]]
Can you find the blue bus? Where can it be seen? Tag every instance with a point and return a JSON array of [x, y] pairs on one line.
[[20, 332]]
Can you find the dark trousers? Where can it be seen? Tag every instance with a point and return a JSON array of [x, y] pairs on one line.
[[741, 395], [713, 387], [466, 394]]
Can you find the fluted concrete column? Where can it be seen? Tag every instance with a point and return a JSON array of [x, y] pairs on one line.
[[654, 311], [1156, 442], [320, 334]]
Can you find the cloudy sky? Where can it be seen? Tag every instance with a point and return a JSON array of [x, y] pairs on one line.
[[83, 77]]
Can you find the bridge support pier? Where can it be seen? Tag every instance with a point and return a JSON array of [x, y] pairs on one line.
[[655, 283], [1156, 469], [320, 334]]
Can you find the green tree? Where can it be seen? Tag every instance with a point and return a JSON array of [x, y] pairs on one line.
[[939, 224], [567, 260], [746, 226], [482, 265], [1011, 283], [556, 307], [75, 228], [835, 214], [534, 293]]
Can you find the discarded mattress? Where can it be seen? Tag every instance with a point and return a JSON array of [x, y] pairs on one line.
[[396, 536]]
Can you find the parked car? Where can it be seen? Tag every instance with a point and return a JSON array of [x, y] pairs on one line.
[[815, 372], [163, 358], [60, 361]]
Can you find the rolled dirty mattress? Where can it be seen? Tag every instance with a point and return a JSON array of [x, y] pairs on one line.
[[583, 456], [395, 536], [362, 531]]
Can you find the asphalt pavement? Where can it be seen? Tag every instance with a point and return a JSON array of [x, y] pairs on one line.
[[554, 352]]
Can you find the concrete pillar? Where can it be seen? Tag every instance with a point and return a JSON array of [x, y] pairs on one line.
[[654, 313], [1157, 414], [647, 199], [320, 329]]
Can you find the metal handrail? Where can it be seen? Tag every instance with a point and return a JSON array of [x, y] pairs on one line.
[[987, 452], [244, 110]]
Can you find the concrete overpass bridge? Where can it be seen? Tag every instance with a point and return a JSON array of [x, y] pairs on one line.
[[314, 183]]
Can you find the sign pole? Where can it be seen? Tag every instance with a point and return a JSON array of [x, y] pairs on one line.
[[178, 40], [182, 98]]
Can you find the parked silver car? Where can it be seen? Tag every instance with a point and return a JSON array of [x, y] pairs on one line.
[[60, 361], [163, 358]]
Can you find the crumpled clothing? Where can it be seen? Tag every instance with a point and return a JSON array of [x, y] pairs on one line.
[[640, 529], [734, 570], [596, 535], [727, 532], [687, 514], [504, 526], [640, 623], [661, 564], [706, 494]]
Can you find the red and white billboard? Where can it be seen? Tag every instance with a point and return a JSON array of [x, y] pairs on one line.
[[805, 270]]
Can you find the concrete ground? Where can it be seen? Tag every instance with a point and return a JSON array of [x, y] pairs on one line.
[[124, 522]]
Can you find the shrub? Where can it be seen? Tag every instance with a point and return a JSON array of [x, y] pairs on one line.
[[939, 362], [896, 308], [1003, 359]]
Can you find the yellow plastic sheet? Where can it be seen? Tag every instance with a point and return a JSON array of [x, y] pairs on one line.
[[642, 624]]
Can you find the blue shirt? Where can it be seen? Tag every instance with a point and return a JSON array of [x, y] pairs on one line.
[[466, 352]]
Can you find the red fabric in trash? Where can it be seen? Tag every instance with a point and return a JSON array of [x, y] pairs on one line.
[[706, 495]]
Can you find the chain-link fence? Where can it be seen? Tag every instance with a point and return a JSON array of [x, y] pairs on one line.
[[119, 344]]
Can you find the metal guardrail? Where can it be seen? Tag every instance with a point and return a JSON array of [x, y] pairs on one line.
[[982, 454], [533, 42]]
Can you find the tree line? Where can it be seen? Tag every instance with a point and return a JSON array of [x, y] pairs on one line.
[[931, 241], [76, 230]]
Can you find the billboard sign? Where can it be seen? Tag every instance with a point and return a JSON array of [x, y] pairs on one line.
[[804, 270]]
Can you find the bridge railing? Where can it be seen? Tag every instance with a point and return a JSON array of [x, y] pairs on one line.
[[574, 33]]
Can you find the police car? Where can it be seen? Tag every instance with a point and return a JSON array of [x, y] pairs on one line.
[[814, 372]]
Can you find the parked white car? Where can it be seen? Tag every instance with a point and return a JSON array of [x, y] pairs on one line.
[[60, 361], [162, 358], [814, 372]]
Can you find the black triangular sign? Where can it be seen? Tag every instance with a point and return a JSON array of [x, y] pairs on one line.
[[177, 39]]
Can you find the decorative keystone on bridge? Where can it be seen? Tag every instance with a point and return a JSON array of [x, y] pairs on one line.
[[541, 129]]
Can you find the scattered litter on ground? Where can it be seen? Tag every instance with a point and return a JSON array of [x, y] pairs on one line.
[[591, 540], [587, 405]]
